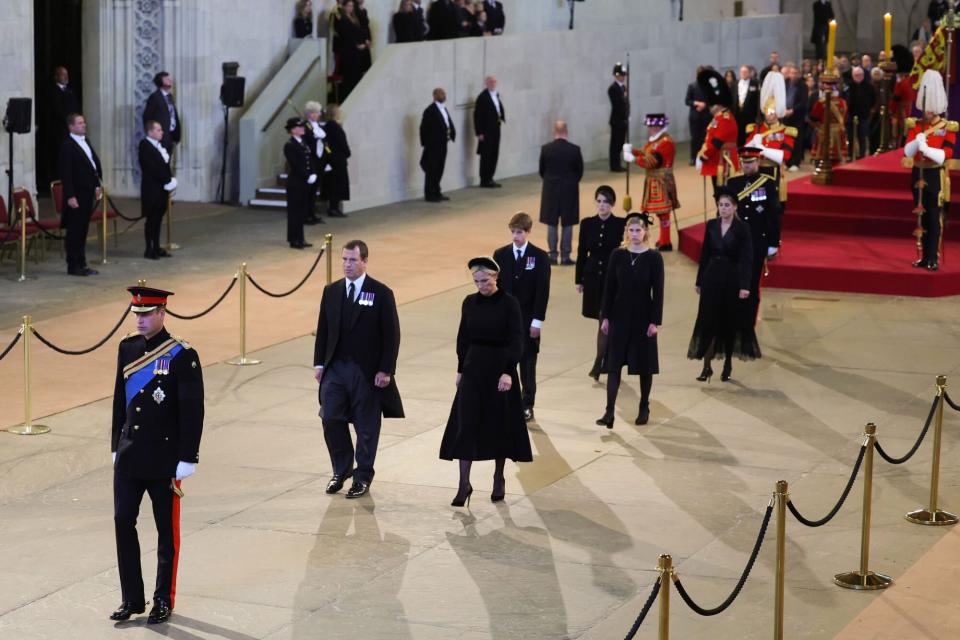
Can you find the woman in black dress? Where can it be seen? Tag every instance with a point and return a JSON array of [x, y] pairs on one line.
[[599, 236], [486, 419], [351, 47], [406, 24], [632, 312], [335, 184], [724, 324], [303, 23]]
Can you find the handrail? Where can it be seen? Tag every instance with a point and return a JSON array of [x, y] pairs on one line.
[[286, 100]]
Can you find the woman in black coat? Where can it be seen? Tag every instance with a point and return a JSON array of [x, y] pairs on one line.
[[406, 25], [486, 419], [351, 47], [725, 318], [632, 312], [599, 236], [303, 23], [336, 182]]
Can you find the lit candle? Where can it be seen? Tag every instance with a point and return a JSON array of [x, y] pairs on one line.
[[831, 46], [887, 20]]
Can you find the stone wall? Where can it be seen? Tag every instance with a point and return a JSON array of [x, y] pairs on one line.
[[16, 81], [543, 77], [860, 22]]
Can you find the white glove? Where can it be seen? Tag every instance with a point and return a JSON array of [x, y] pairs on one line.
[[699, 164], [628, 153], [327, 169], [921, 140], [774, 155], [756, 141], [910, 149], [318, 131], [937, 155], [312, 178], [185, 470], [170, 186], [772, 251], [114, 454]]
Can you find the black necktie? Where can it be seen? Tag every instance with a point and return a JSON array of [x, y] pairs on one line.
[[350, 291]]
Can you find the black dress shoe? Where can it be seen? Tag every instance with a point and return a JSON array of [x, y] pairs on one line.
[[151, 255], [76, 272], [606, 420], [336, 213], [127, 609], [595, 373], [304, 245], [433, 199], [296, 245], [566, 262], [163, 253], [725, 374], [359, 488], [618, 170], [933, 266], [665, 247], [528, 415], [87, 271], [920, 264], [443, 197], [462, 498], [643, 417], [309, 222], [160, 612], [490, 185], [336, 482], [706, 374]]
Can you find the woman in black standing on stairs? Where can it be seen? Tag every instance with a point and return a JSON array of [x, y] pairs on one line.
[[599, 236], [632, 312], [486, 419], [724, 326]]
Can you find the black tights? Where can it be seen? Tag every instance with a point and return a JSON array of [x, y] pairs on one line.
[[601, 350], [727, 359], [613, 386], [498, 480]]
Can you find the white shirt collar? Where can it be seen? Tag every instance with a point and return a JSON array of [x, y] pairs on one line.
[[440, 105], [522, 249], [297, 138], [359, 285], [660, 133], [80, 139], [164, 92]]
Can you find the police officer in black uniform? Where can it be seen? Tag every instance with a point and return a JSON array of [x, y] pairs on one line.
[[301, 176], [157, 423], [758, 204]]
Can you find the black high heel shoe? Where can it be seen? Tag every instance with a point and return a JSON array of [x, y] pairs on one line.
[[595, 373], [606, 420], [644, 416], [706, 374], [727, 370], [462, 498], [498, 497]]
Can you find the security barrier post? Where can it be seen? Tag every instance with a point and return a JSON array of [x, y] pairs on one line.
[[27, 428], [243, 360], [933, 515]]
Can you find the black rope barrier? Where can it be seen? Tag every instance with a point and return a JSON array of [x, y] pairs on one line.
[[299, 284], [12, 344], [53, 236], [843, 497], [208, 309], [743, 576], [68, 352], [117, 211], [643, 612], [916, 445], [11, 231], [953, 405]]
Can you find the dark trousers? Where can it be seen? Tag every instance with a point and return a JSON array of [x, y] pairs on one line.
[[153, 218], [312, 190], [298, 199], [127, 495], [433, 161], [820, 45], [930, 220], [528, 374], [861, 135], [347, 396], [566, 241], [618, 136], [489, 151], [76, 223], [698, 132]]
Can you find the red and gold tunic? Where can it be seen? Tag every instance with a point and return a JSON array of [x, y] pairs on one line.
[[776, 136], [659, 186], [838, 133], [900, 105], [718, 154]]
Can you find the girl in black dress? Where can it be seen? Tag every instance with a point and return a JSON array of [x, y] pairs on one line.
[[725, 318], [486, 419], [599, 236], [632, 311], [303, 23]]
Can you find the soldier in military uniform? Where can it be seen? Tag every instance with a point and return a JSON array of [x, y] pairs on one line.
[[929, 148], [659, 185], [758, 204], [774, 140], [157, 422], [838, 122], [717, 157]]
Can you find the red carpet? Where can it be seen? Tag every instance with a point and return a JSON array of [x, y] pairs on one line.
[[855, 235]]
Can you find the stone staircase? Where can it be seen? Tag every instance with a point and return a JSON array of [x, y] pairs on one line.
[[271, 197]]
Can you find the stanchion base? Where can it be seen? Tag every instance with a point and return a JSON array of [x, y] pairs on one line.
[[173, 246], [870, 582], [23, 278], [29, 429], [938, 517], [243, 362]]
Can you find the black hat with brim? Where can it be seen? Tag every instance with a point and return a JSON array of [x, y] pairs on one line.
[[483, 262], [294, 122], [714, 88]]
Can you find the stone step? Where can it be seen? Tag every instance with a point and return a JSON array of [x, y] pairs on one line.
[[262, 203]]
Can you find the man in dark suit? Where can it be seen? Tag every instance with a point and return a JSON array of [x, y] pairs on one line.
[[822, 15], [155, 440], [355, 358], [698, 117], [488, 113], [796, 113], [300, 176], [160, 108], [619, 115], [436, 130], [156, 183], [80, 173], [61, 102], [747, 102], [442, 20], [561, 168], [314, 136], [525, 274], [496, 18]]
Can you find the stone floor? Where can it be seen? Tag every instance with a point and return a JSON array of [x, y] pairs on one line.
[[571, 552]]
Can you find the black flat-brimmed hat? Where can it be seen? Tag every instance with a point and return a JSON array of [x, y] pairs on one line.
[[294, 122], [483, 262]]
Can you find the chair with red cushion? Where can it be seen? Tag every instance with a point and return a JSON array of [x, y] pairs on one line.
[[10, 231], [98, 216], [44, 229]]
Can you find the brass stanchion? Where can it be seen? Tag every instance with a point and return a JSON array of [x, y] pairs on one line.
[[823, 168], [27, 428], [665, 567], [243, 360], [22, 212], [864, 579], [780, 496], [171, 245], [104, 229], [933, 515], [327, 246]]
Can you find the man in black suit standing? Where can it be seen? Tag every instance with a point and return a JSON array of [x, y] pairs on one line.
[[156, 183], [436, 130], [822, 15], [300, 176], [355, 359], [61, 102], [619, 115], [525, 274], [336, 177], [488, 113], [698, 117], [496, 18], [160, 108], [747, 103], [561, 168], [80, 173]]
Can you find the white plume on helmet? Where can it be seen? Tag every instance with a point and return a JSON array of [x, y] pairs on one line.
[[931, 96], [773, 94]]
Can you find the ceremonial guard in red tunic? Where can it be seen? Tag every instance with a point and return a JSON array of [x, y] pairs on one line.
[[659, 186], [901, 102], [929, 150], [838, 119], [157, 422], [717, 157], [774, 139]]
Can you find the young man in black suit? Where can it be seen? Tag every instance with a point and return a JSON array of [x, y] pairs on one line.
[[436, 130], [300, 176], [355, 358], [80, 173], [160, 108], [525, 274], [496, 18], [561, 167], [619, 115], [156, 183], [488, 114]]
